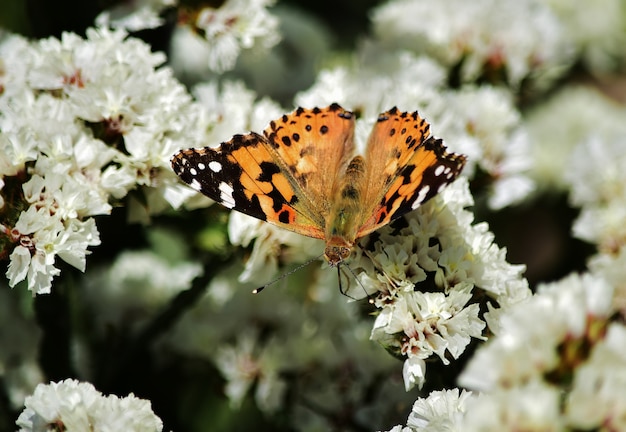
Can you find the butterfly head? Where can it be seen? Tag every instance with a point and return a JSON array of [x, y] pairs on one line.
[[337, 251]]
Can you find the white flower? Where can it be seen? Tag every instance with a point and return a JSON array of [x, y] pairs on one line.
[[244, 365], [72, 405], [422, 324], [530, 332], [612, 268], [555, 129], [92, 119], [597, 398], [41, 237], [597, 175], [530, 407], [440, 411], [399, 79], [483, 123], [231, 109], [600, 46], [235, 25], [521, 39], [136, 15]]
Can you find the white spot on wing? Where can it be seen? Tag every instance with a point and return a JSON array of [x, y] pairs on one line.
[[193, 171], [439, 170], [196, 185], [201, 166], [421, 196], [215, 166], [226, 195]]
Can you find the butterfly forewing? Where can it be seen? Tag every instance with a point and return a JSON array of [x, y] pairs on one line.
[[315, 146], [242, 175]]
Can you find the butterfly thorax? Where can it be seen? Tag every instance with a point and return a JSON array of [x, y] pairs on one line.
[[345, 215]]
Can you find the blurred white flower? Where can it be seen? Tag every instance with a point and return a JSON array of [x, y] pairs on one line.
[[136, 285], [597, 177], [486, 38], [597, 398], [225, 31], [483, 123], [135, 15], [78, 406], [248, 364], [612, 268], [574, 115], [534, 406], [529, 334], [601, 47]]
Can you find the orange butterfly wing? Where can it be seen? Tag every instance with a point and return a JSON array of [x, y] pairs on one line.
[[284, 177], [405, 167]]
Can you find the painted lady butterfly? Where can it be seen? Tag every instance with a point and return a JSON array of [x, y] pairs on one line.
[[301, 173]]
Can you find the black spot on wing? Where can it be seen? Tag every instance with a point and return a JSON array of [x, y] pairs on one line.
[[268, 169]]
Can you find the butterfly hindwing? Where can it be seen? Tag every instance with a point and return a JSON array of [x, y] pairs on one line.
[[244, 175]]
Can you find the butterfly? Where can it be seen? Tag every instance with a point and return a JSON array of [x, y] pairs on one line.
[[302, 174]]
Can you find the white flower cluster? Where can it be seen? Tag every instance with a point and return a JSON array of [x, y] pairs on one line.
[[508, 41], [600, 47], [423, 277], [83, 122], [578, 146], [75, 406], [218, 35], [597, 177], [575, 115], [557, 362]]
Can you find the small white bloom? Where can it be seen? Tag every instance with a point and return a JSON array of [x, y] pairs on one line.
[[597, 399], [523, 39], [531, 407], [244, 365], [600, 46], [236, 25], [441, 410], [72, 405], [423, 324], [136, 15]]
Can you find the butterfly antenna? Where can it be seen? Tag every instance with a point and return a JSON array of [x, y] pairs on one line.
[[284, 275]]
